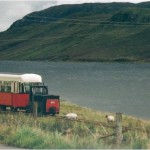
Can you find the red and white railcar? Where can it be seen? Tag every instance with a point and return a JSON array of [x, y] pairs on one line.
[[20, 90]]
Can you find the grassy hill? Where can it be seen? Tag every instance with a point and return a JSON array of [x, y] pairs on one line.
[[25, 131], [81, 32]]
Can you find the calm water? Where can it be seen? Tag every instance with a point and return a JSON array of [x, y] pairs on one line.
[[112, 87]]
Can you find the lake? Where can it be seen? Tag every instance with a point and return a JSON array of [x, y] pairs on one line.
[[109, 87]]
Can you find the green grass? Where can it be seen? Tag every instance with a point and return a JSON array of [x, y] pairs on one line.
[[22, 130]]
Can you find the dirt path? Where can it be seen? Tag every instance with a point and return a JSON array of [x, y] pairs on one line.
[[9, 147]]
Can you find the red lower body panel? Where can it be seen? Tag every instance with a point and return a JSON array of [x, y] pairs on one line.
[[20, 100], [52, 103], [6, 99], [14, 99]]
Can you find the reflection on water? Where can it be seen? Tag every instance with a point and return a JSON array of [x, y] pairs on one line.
[[113, 87]]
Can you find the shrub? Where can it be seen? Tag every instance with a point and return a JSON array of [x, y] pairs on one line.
[[139, 144], [36, 139]]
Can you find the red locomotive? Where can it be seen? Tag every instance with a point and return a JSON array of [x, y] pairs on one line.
[[21, 91]]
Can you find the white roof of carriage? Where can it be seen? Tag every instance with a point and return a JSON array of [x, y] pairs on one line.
[[21, 77]]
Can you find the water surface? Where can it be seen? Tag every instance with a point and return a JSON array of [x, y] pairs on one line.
[[112, 87]]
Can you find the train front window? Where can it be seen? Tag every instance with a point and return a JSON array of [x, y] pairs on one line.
[[39, 90], [28, 85]]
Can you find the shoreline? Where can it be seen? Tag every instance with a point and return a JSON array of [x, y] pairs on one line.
[[82, 61]]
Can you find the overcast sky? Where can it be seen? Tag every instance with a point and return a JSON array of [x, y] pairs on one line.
[[11, 10]]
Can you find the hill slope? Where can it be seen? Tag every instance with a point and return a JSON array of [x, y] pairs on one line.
[[85, 32]]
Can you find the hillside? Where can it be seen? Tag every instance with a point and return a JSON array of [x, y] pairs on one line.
[[90, 131], [81, 32]]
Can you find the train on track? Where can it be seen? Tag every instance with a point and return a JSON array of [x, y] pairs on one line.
[[23, 91]]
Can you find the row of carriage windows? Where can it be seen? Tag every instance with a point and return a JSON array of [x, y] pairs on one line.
[[15, 87]]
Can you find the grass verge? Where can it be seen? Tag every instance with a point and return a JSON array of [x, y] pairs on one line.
[[24, 131]]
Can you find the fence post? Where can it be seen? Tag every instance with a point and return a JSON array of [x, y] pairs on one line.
[[35, 107], [119, 135]]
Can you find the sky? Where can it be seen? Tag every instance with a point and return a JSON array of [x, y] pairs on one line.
[[11, 10]]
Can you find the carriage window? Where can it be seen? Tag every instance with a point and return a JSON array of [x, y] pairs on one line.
[[5, 86], [21, 88], [26, 87], [0, 85]]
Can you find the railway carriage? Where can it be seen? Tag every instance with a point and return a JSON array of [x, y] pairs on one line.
[[20, 91]]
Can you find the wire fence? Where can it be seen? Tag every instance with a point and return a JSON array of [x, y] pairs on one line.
[[116, 126]]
